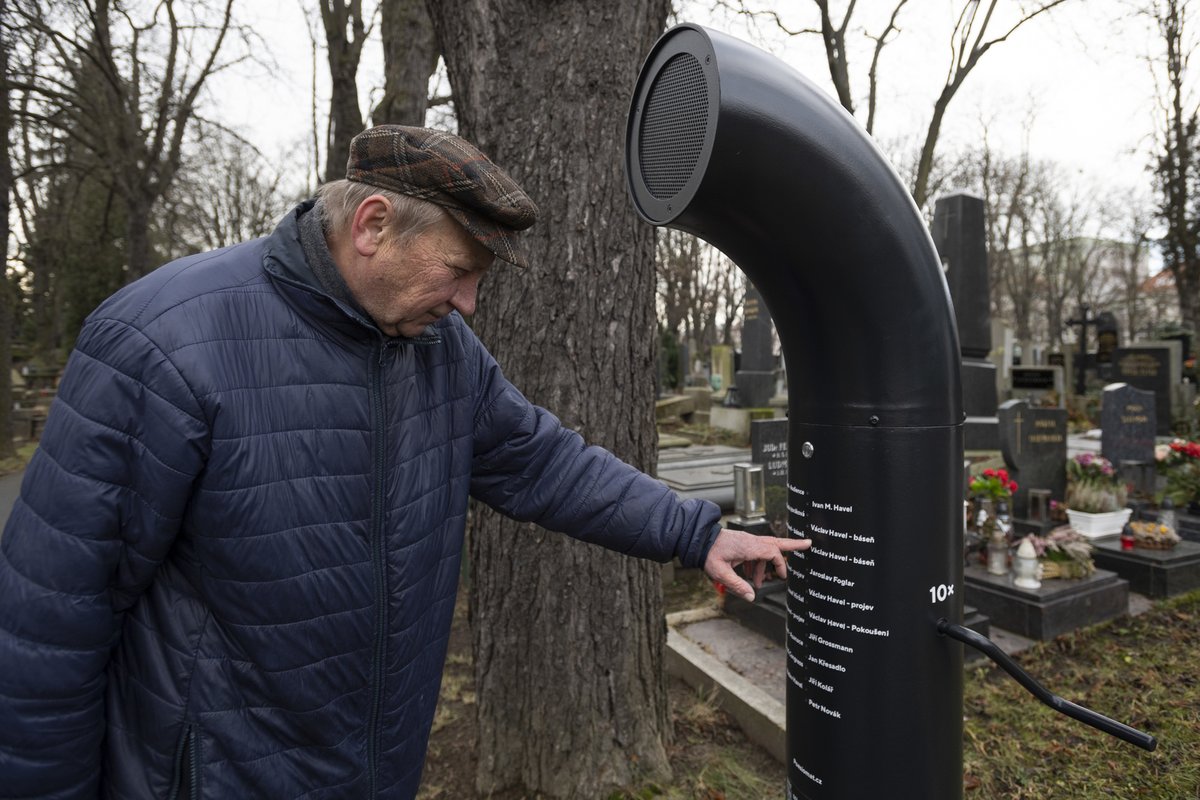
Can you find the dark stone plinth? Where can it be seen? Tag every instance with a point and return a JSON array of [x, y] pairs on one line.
[[979, 387], [1154, 573], [981, 433], [1187, 526], [755, 389], [1024, 526], [767, 615], [1058, 606], [759, 527]]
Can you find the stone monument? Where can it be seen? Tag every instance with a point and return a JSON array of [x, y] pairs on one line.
[[755, 377], [958, 233]]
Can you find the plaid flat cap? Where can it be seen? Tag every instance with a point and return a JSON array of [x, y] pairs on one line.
[[445, 169]]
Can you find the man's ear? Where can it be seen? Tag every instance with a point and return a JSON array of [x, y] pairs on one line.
[[367, 227]]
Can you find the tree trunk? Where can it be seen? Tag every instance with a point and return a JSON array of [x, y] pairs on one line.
[[345, 122], [6, 299], [141, 259], [920, 189], [410, 55], [568, 638], [344, 34]]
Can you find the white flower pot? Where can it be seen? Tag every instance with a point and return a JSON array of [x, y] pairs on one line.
[[1094, 526]]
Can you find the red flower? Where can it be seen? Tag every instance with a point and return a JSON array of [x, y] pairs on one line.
[[1012, 486], [989, 473], [1002, 475]]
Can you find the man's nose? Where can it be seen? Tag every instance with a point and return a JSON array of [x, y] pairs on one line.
[[465, 294]]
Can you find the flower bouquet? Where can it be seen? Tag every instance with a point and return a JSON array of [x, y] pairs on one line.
[[993, 484], [1095, 496], [1063, 553], [1179, 463]]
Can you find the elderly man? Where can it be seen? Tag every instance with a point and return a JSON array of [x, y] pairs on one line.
[[232, 568]]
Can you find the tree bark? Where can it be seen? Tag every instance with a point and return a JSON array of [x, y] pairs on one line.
[[345, 32], [410, 55], [6, 298], [568, 638]]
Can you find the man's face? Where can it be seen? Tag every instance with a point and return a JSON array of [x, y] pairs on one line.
[[408, 285]]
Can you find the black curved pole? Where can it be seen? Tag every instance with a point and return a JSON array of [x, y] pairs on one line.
[[1073, 710], [726, 142]]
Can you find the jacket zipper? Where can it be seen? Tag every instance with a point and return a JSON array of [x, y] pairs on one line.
[[378, 423], [194, 777], [187, 767]]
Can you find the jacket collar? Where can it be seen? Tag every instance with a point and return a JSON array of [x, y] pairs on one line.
[[284, 260]]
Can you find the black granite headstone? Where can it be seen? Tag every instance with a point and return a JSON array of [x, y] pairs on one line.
[[959, 233], [1148, 368], [1033, 442], [1185, 341], [755, 377], [960, 236], [1033, 378], [769, 447], [1127, 424]]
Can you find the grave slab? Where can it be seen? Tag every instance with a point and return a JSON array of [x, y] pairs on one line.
[[1057, 607], [1154, 573], [1188, 527]]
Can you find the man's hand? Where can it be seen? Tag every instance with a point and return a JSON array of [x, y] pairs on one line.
[[734, 548]]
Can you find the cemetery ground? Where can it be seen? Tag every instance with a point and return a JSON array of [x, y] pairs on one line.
[[1143, 670]]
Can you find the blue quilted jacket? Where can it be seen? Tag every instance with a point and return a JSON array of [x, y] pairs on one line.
[[232, 568]]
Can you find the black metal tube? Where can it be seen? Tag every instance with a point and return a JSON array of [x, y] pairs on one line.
[[1073, 710], [726, 142]]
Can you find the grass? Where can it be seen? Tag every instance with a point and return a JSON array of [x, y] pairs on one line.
[[17, 463], [1144, 671]]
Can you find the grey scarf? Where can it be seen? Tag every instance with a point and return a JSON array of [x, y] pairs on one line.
[[316, 251]]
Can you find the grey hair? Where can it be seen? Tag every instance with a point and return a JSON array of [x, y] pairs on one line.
[[341, 198]]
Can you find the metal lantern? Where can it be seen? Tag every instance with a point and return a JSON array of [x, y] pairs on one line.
[[749, 492]]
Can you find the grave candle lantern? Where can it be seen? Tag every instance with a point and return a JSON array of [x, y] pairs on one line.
[[749, 493]]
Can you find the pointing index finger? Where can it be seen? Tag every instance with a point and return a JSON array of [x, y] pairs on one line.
[[794, 544]]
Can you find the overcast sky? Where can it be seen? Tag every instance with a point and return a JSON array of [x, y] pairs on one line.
[[1079, 73]]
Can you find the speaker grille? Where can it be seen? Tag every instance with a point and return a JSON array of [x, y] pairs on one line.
[[673, 126]]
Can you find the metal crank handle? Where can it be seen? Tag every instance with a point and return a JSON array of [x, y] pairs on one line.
[[1073, 710]]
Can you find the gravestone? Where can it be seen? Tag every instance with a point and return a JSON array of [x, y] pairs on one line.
[[1185, 345], [755, 378], [769, 447], [1154, 368], [959, 234], [1033, 442], [1036, 384], [1127, 424]]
